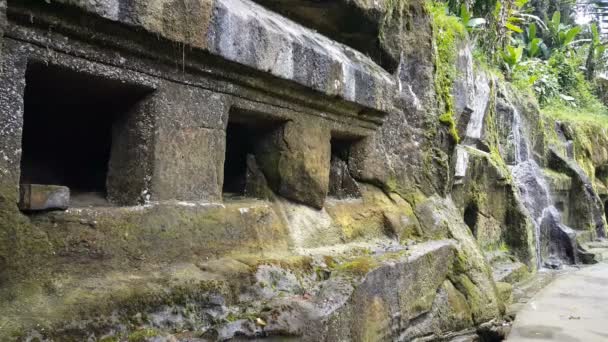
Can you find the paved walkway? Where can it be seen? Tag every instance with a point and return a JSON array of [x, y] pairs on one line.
[[572, 308]]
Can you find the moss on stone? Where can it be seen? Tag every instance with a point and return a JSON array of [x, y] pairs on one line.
[[359, 266], [65, 255], [294, 263], [447, 119], [588, 135], [25, 250], [505, 292], [472, 293], [447, 32], [459, 310], [143, 335]]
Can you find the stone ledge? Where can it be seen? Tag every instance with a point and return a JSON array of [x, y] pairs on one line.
[[37, 197], [244, 32]]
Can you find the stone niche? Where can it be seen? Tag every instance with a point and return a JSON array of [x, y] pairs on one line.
[[85, 132], [342, 184], [245, 133], [106, 113]]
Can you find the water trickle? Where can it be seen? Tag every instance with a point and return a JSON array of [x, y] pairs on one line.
[[535, 195], [520, 144], [534, 190]]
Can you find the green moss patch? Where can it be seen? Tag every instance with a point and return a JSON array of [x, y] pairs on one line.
[[447, 31]]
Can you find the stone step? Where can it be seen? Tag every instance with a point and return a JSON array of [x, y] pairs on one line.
[[597, 244], [38, 197], [509, 272], [590, 255], [601, 254], [498, 256]]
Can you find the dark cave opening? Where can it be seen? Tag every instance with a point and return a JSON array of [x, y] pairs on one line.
[[67, 130], [341, 183], [239, 144], [471, 214], [243, 134]]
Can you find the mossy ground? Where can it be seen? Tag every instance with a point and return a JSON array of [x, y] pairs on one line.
[[587, 127], [592, 115]]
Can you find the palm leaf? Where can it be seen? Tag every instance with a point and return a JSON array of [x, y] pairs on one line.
[[513, 27]]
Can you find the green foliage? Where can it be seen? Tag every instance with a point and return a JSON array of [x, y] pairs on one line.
[[448, 30], [514, 15], [465, 15], [561, 35], [550, 67], [537, 57], [596, 54], [509, 20], [536, 75], [511, 58], [566, 70], [558, 79], [597, 44], [594, 113], [467, 18], [534, 47], [533, 44]]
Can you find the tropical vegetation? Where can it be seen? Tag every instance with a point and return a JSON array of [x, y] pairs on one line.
[[538, 46]]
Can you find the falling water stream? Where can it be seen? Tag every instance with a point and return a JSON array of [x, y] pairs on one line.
[[532, 186]]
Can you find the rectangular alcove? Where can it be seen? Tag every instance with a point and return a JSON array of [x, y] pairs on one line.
[[244, 133], [341, 183], [71, 122]]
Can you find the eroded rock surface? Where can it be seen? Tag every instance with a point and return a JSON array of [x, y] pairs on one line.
[[274, 169]]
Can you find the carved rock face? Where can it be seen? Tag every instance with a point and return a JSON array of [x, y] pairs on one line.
[[295, 159]]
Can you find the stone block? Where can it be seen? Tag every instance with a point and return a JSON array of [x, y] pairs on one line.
[[295, 159], [256, 184], [189, 146], [341, 183], [36, 197], [12, 87], [188, 165], [130, 167], [182, 106], [585, 208]]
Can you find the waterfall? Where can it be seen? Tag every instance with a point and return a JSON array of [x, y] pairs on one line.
[[535, 194]]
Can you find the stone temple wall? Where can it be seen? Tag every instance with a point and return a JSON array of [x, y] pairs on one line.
[[169, 142], [229, 172], [199, 170]]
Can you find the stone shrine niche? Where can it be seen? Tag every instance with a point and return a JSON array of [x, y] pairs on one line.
[[77, 133], [244, 134], [342, 184]]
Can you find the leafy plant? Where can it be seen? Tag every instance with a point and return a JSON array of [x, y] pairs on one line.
[[511, 57], [511, 21], [561, 35], [534, 45], [516, 16], [467, 18], [597, 49], [536, 74]]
